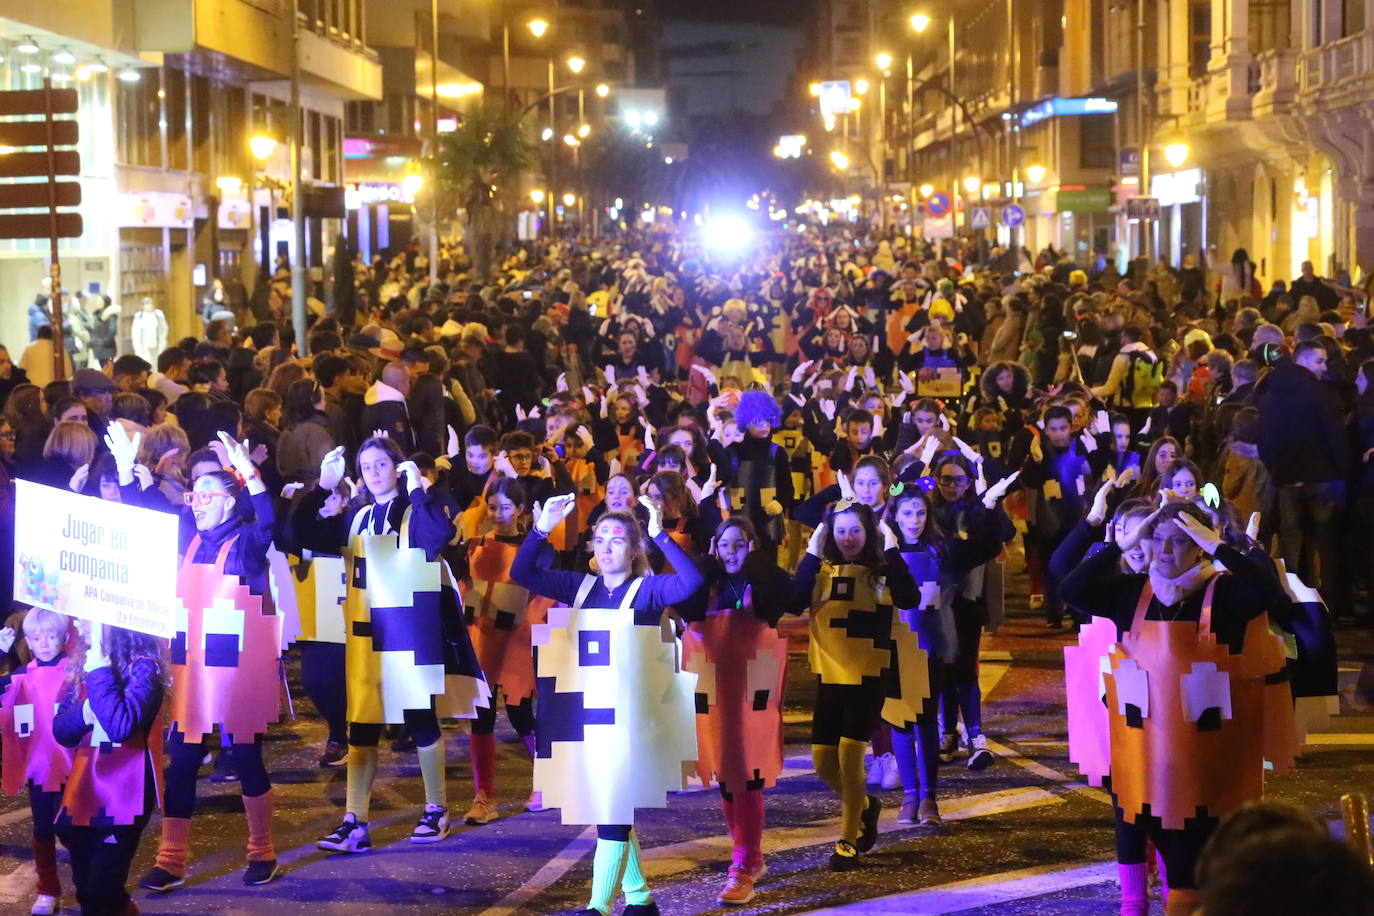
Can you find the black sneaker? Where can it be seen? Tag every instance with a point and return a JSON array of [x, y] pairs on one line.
[[640, 909], [260, 872], [159, 880], [225, 770], [868, 836], [349, 836], [949, 747], [433, 825], [845, 857], [335, 754]]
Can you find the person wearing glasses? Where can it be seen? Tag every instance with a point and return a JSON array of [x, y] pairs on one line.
[[224, 661]]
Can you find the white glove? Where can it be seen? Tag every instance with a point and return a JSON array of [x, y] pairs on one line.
[[550, 515], [332, 468], [7, 637], [999, 489], [655, 518]]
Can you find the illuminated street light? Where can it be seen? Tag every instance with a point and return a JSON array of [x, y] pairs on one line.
[[883, 60], [814, 89], [920, 22], [1176, 153], [584, 131], [839, 160], [861, 86], [576, 63], [538, 27], [602, 90], [537, 196], [262, 147], [1036, 173], [546, 134], [569, 199], [570, 140], [972, 183], [411, 184], [927, 190]]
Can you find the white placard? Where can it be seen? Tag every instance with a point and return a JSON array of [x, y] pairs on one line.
[[102, 561]]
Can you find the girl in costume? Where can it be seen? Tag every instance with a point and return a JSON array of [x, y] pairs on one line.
[[1195, 696], [759, 469], [224, 663], [850, 578], [613, 647], [499, 614], [109, 713], [32, 755], [691, 523], [733, 645], [409, 659]]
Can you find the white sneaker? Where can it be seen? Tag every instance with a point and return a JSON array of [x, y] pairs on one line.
[[875, 770], [433, 825], [536, 802], [979, 757], [892, 777], [44, 905], [349, 836]]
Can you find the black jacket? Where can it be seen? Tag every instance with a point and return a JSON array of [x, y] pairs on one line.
[[1302, 435]]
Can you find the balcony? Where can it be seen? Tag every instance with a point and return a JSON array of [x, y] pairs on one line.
[[1273, 82], [1338, 73]]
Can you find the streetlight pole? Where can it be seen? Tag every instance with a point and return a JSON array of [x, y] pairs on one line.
[[1142, 131], [434, 143], [505, 59], [553, 153], [297, 188]]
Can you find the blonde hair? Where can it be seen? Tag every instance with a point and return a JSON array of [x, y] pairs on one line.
[[158, 439], [71, 440], [41, 620]]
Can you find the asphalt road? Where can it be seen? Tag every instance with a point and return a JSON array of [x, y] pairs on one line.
[[1024, 836]]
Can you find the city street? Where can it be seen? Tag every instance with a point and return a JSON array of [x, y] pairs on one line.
[[1025, 836]]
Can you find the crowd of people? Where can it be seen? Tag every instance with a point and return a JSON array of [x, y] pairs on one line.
[[565, 487]]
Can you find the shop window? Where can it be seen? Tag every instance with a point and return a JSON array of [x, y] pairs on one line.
[[1096, 141], [1269, 25], [202, 143], [174, 106], [1352, 16], [138, 111], [1200, 37]]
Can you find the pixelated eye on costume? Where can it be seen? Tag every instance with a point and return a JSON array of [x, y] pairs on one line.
[[32, 755]]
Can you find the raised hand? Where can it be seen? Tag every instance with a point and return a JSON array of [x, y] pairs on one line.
[[1202, 534], [166, 462], [1097, 515], [999, 489], [1252, 527], [655, 516], [143, 476], [455, 446], [846, 488], [414, 479], [78, 478], [238, 455], [889, 538], [503, 466], [124, 448], [380, 434], [816, 544], [332, 468], [7, 637], [799, 373], [709, 488]]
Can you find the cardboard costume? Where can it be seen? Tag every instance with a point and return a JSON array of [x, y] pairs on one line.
[[615, 725], [108, 784], [741, 665], [499, 615], [917, 635], [850, 626], [754, 487], [1084, 686], [32, 755], [589, 492], [1191, 724], [406, 643], [224, 656], [318, 581]]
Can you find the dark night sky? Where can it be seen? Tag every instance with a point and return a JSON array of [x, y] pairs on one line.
[[779, 12]]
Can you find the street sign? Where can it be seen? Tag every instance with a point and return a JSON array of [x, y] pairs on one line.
[[938, 204], [980, 218], [1013, 215], [1129, 164], [1142, 208]]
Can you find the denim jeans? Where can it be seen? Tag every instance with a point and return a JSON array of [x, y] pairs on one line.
[[1311, 523]]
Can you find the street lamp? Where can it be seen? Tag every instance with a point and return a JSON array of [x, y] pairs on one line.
[[584, 130], [920, 22], [602, 90], [569, 199], [927, 190], [1036, 173], [839, 160], [262, 147], [576, 63], [972, 183], [884, 61], [537, 196], [1176, 152], [861, 86], [538, 27], [814, 89]]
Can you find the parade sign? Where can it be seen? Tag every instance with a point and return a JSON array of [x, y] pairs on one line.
[[101, 561]]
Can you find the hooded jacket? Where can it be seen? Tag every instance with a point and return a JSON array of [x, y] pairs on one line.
[[385, 408]]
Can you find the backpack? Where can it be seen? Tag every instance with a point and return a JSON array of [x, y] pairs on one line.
[[1144, 373]]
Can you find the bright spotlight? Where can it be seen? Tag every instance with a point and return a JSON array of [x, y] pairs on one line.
[[650, 118], [728, 233]]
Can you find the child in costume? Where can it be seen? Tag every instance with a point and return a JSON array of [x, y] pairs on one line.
[[732, 644], [32, 756], [110, 714], [760, 472], [850, 578], [409, 658], [615, 720], [499, 615], [224, 664], [1196, 697]]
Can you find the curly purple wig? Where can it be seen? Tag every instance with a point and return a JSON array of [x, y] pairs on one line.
[[757, 407]]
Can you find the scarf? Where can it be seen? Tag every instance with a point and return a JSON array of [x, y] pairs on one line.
[[1171, 591]]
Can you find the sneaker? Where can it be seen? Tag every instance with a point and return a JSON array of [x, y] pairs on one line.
[[335, 755], [876, 769], [225, 770], [892, 777], [536, 802], [260, 872], [868, 835], [44, 905], [929, 813], [433, 825], [1054, 622], [845, 857], [159, 880], [483, 811], [349, 836], [641, 909], [1037, 602], [979, 757], [907, 813], [949, 747], [739, 887]]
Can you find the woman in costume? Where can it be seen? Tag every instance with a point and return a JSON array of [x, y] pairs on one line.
[[1195, 696], [409, 659], [616, 724], [850, 579], [224, 662], [732, 644]]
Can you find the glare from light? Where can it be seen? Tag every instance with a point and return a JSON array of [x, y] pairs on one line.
[[814, 89], [61, 76], [569, 199], [411, 184], [130, 76], [229, 184], [260, 146], [920, 22], [27, 46], [546, 134], [854, 103], [883, 60], [972, 183], [537, 196], [577, 63], [63, 57], [602, 90], [650, 118], [1036, 173], [83, 73], [98, 67], [646, 216], [30, 68], [619, 203], [861, 86], [584, 131], [839, 160], [633, 118], [570, 140], [667, 160], [927, 190], [1176, 153], [728, 233], [538, 27], [458, 90]]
